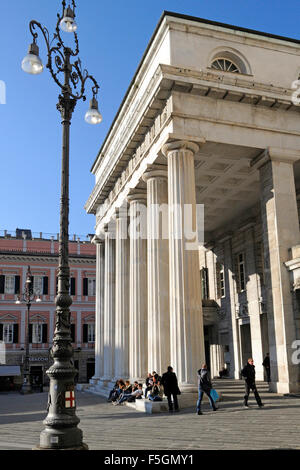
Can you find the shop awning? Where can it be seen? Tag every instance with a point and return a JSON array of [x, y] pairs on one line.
[[9, 371]]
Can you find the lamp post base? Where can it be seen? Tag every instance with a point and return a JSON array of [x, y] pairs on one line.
[[61, 439], [82, 447]]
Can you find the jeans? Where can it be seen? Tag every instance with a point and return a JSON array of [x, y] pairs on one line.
[[200, 396], [252, 386]]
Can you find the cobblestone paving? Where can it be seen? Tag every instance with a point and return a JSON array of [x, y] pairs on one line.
[[104, 426]]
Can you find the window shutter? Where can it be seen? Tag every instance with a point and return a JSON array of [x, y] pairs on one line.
[[85, 333], [72, 332], [17, 284], [236, 272], [56, 285], [30, 333], [45, 285], [85, 286], [73, 286], [45, 333], [2, 283], [1, 331], [16, 333]]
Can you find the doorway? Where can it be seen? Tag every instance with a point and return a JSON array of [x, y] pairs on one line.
[[246, 347]]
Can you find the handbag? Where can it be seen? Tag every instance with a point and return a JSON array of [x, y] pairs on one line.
[[214, 394]]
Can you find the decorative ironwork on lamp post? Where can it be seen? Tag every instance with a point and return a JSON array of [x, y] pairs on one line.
[[61, 430], [28, 296]]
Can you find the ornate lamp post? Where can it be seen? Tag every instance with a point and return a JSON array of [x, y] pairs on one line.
[[61, 430], [28, 296]]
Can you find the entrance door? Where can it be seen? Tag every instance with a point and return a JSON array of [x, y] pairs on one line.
[[246, 348], [90, 369], [36, 376]]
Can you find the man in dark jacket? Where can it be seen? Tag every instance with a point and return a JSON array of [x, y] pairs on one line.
[[248, 373], [204, 386], [267, 367], [170, 384]]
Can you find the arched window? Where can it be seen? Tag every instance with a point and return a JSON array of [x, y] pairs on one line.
[[226, 65]]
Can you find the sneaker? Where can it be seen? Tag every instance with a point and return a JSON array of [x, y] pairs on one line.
[[199, 413], [247, 407], [261, 405]]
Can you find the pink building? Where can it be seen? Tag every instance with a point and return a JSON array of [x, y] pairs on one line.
[[19, 250]]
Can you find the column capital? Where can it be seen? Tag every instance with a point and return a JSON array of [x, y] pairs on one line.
[[137, 195], [155, 171], [121, 212], [275, 154], [180, 145]]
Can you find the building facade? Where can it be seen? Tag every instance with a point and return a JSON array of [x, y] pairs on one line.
[[209, 120], [19, 250]]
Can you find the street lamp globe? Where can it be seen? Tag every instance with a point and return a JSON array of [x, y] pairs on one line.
[[93, 116], [32, 63], [68, 23]]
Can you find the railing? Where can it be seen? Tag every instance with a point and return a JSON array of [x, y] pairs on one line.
[[41, 235]]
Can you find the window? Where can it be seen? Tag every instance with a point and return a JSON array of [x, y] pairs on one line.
[[38, 284], [224, 64], [37, 333], [89, 286], [91, 333], [9, 284], [204, 281], [88, 333], [92, 287], [72, 286], [9, 332], [241, 272], [220, 281]]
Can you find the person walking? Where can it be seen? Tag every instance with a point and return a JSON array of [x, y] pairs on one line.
[[171, 389], [267, 367], [204, 386], [248, 373]]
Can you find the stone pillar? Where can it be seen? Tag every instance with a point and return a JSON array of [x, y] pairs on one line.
[[280, 232], [109, 306], [158, 270], [186, 319], [122, 296], [230, 287], [99, 317], [138, 330], [253, 304]]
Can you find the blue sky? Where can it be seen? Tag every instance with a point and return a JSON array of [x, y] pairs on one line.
[[112, 38]]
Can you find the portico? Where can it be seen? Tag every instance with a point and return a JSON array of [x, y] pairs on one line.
[[188, 133]]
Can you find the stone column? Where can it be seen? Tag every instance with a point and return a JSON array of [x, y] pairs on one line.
[[158, 270], [230, 288], [253, 304], [122, 296], [138, 330], [280, 232], [99, 313], [109, 306], [186, 319]]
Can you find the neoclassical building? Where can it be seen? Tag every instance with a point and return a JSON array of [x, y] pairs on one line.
[[209, 120]]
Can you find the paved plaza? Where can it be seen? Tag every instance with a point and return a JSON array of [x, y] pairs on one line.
[[108, 427]]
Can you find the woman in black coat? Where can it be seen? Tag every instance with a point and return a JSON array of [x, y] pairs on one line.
[[170, 384]]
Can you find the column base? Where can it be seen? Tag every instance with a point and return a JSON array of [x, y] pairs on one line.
[[284, 388]]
